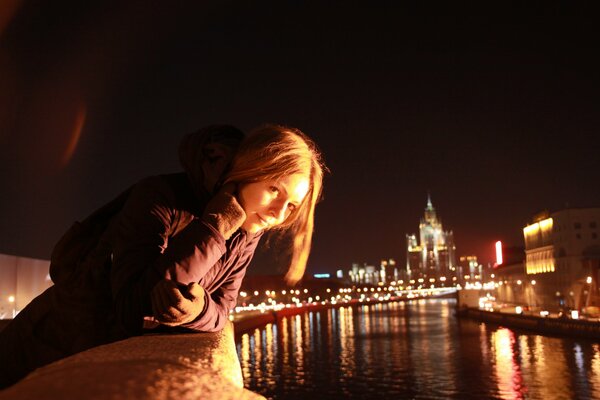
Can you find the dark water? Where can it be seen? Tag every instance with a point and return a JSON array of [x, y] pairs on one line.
[[416, 350]]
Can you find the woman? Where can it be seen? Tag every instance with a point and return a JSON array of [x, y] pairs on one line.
[[172, 256]]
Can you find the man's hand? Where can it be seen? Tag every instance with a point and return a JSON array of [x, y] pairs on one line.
[[172, 306], [224, 212]]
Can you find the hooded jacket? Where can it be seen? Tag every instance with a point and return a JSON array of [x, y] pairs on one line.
[[157, 234]]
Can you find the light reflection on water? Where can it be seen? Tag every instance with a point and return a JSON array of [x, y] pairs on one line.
[[412, 350]]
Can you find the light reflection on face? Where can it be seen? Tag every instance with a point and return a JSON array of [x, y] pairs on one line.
[[268, 204]]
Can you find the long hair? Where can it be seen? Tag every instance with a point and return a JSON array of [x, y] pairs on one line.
[[271, 152]]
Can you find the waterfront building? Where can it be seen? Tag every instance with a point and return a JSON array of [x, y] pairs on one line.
[[469, 268], [388, 271], [364, 274], [562, 255], [508, 274], [559, 266], [433, 256]]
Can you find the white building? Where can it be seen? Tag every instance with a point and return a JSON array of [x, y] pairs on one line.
[[434, 255]]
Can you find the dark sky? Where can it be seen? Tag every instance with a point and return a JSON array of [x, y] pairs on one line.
[[495, 114]]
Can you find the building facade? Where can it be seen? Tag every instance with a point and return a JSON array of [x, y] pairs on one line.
[[562, 254], [433, 255]]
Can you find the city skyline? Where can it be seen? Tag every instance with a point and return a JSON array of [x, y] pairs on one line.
[[497, 121]]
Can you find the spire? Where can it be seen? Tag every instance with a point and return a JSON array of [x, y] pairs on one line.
[[430, 216]]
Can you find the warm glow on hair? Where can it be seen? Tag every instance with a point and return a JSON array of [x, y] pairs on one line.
[[271, 152]]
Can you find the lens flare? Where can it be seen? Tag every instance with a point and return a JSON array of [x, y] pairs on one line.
[[78, 124]]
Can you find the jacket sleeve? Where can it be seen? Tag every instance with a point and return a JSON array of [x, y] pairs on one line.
[[143, 254], [220, 302]]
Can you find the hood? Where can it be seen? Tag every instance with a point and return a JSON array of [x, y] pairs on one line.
[[205, 155]]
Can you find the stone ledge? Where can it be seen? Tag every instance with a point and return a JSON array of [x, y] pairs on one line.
[[160, 366]]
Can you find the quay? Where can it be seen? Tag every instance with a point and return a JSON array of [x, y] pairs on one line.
[[516, 318], [541, 325]]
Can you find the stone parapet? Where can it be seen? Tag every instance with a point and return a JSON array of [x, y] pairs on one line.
[[159, 366]]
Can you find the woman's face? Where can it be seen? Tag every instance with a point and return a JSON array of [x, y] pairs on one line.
[[269, 203]]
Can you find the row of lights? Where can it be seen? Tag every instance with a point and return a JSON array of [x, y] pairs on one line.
[[273, 293], [533, 282]]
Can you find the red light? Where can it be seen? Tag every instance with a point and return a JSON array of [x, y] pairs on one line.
[[498, 252]]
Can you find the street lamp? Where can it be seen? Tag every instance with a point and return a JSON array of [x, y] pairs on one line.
[[11, 300]]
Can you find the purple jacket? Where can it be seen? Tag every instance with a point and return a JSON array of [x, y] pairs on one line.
[[160, 234], [157, 234]]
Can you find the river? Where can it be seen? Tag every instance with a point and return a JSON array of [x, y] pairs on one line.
[[413, 350]]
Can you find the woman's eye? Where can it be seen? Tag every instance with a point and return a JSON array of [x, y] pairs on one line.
[[273, 189], [291, 207]]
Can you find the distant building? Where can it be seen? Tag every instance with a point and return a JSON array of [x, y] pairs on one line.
[[434, 255], [388, 271], [369, 275], [469, 268], [512, 285]]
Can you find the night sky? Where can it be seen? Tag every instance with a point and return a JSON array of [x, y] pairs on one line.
[[496, 120]]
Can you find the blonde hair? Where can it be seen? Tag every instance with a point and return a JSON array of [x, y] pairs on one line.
[[271, 152]]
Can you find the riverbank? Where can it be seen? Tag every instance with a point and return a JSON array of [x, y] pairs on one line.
[[249, 320], [534, 324]]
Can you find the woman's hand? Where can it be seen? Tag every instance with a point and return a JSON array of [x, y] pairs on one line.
[[224, 212], [172, 307]]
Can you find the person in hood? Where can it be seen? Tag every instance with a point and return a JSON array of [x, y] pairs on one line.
[[173, 249]]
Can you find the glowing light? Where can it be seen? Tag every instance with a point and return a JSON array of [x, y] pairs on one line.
[[546, 224], [11, 299], [574, 314], [531, 230], [499, 253], [533, 282], [588, 280]]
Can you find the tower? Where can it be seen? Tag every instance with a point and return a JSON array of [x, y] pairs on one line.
[[434, 255]]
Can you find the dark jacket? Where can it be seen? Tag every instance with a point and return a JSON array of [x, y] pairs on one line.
[[157, 234]]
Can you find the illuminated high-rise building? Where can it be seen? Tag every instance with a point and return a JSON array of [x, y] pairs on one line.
[[434, 255]]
